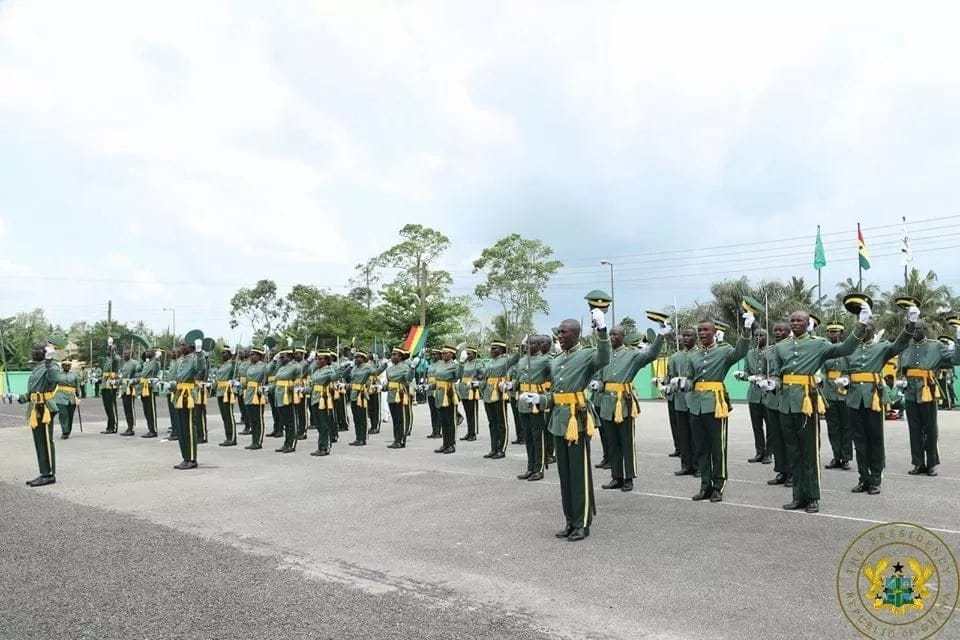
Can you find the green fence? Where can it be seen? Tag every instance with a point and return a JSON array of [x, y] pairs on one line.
[[15, 382]]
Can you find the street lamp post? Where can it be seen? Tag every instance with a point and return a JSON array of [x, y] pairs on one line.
[[613, 317], [174, 312]]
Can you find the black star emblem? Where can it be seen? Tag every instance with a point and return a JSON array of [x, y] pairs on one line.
[[898, 568]]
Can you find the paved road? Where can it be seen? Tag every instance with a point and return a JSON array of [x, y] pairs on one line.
[[399, 544]]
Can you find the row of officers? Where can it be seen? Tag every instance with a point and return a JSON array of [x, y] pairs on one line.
[[564, 394]]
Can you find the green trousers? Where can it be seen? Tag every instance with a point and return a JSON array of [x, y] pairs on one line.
[[229, 422], [621, 453], [174, 417], [401, 416], [576, 480], [109, 399], [497, 423], [189, 433], [324, 421], [150, 411], [922, 421], [470, 410], [43, 443], [515, 410], [867, 428], [65, 413], [782, 463], [711, 433], [359, 422], [838, 431], [535, 436], [254, 414], [801, 441], [373, 412]]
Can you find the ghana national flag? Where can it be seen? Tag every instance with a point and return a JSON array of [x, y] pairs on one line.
[[862, 252], [416, 339]]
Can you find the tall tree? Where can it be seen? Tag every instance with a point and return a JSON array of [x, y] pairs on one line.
[[260, 307], [318, 315], [19, 333], [445, 317], [365, 279], [517, 272], [414, 255]]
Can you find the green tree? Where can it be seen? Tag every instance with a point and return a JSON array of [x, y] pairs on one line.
[[517, 272], [19, 333], [936, 302], [365, 279], [260, 307], [446, 316], [320, 318], [414, 255]]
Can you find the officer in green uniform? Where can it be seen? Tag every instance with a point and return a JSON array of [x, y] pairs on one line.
[[288, 371], [434, 357], [243, 363], [360, 376], [272, 367], [446, 375], [782, 466], [533, 372], [65, 398], [255, 393], [618, 404], [676, 368], [919, 364], [795, 360], [863, 375], [203, 391], [494, 389], [226, 393], [512, 378], [40, 392], [186, 396], [400, 375], [373, 402], [129, 376], [547, 350], [841, 441], [169, 386], [709, 403], [322, 379], [299, 399], [469, 392], [109, 386], [753, 372], [146, 388], [572, 422], [340, 396]]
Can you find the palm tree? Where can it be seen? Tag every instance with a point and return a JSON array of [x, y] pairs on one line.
[[936, 301]]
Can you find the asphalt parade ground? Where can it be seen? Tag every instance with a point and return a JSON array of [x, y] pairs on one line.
[[378, 543]]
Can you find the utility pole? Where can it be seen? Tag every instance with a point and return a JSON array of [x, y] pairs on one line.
[[613, 302], [109, 316]]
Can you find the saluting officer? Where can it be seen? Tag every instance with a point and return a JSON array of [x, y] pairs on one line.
[[149, 373], [838, 430], [40, 392], [130, 375], [494, 390], [400, 375], [255, 396], [186, 397], [469, 392], [321, 382], [108, 392]]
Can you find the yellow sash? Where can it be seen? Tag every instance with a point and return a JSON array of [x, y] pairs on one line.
[[286, 385], [144, 388], [809, 384], [227, 390], [40, 412], [257, 393], [361, 390], [401, 390], [68, 390], [471, 392], [870, 378], [184, 395], [929, 380], [574, 402], [322, 391], [721, 409], [494, 383], [621, 388], [446, 387]]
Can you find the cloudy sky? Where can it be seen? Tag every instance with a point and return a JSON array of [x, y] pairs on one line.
[[162, 154]]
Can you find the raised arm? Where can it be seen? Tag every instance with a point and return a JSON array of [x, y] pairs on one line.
[[846, 347], [743, 345]]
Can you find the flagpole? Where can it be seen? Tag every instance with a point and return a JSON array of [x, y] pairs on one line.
[[859, 264], [905, 253]]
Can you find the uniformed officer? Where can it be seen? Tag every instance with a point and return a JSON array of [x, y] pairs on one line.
[[373, 402], [299, 398], [322, 418], [533, 373], [272, 367], [186, 396], [400, 375], [753, 372], [129, 376], [287, 373], [255, 396], [226, 393], [169, 386], [243, 363], [109, 386], [709, 403], [795, 360], [841, 440], [919, 364], [340, 396], [512, 378], [676, 367], [618, 403], [203, 389], [862, 377], [146, 388], [572, 421], [547, 350], [65, 398], [447, 374], [434, 357], [40, 392], [782, 466], [360, 376], [494, 391], [469, 392]]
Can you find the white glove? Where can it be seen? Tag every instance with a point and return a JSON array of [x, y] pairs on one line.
[[901, 383], [598, 320], [533, 398], [683, 383], [664, 388], [769, 384], [198, 345], [475, 384], [755, 378], [866, 314], [665, 329], [595, 385], [957, 333], [502, 386], [109, 342], [811, 325], [312, 356], [740, 375], [415, 361], [842, 382], [157, 354], [748, 320], [509, 385], [818, 378], [524, 397], [463, 356], [913, 313], [48, 352], [720, 335]]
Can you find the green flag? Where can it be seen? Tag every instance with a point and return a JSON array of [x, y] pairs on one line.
[[862, 253], [819, 256]]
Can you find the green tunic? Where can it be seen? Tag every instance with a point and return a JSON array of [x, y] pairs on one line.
[[256, 372], [399, 374], [570, 372], [43, 379], [754, 365], [287, 373], [190, 369], [930, 355], [472, 369], [870, 358], [625, 363], [804, 356], [446, 372], [62, 398], [497, 368], [532, 370], [711, 365], [829, 389], [322, 376], [676, 364], [225, 372], [111, 364], [361, 376]]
